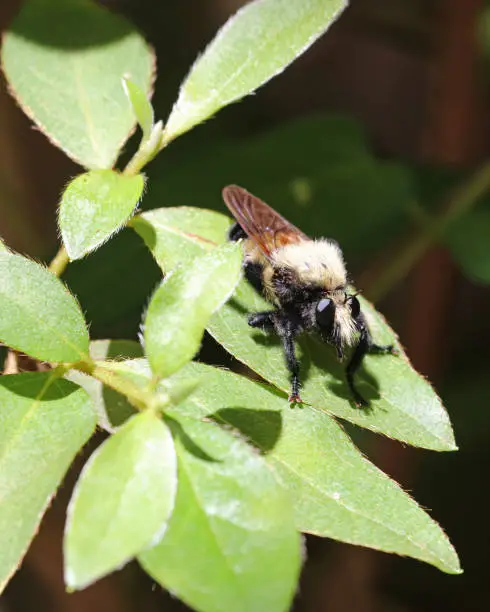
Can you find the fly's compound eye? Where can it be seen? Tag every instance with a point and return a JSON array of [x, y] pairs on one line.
[[325, 313], [355, 307]]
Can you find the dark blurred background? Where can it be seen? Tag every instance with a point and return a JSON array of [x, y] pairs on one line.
[[371, 130]]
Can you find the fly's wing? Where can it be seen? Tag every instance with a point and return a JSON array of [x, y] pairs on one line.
[[267, 228]]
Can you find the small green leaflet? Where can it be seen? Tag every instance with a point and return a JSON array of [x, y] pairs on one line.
[[38, 315], [141, 105], [64, 61], [181, 307], [256, 44], [122, 500], [231, 542], [44, 421], [94, 206]]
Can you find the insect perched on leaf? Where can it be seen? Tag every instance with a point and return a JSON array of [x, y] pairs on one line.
[[305, 280]]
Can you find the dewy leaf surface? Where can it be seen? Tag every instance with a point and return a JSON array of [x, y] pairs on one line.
[[257, 43], [94, 206], [122, 500], [230, 543], [64, 60], [404, 405], [37, 313], [44, 422], [336, 492], [181, 307]]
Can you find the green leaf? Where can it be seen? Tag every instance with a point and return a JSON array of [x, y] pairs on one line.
[[112, 408], [94, 206], [468, 241], [141, 105], [336, 492], [177, 235], [254, 45], [3, 247], [122, 500], [404, 405], [44, 421], [180, 308], [230, 543], [38, 316], [64, 61]]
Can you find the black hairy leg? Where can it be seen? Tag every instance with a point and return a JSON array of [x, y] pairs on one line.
[[286, 330], [355, 362], [364, 346]]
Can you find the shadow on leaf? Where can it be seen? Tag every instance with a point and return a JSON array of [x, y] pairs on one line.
[[187, 442], [70, 26], [261, 428], [39, 386], [323, 358]]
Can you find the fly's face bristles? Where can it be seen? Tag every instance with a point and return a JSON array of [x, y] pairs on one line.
[[345, 324]]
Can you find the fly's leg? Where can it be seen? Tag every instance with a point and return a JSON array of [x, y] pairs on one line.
[[287, 332], [364, 346], [354, 364]]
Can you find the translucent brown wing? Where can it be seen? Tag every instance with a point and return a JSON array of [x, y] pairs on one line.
[[266, 227]]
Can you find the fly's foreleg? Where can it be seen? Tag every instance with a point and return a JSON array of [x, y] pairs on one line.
[[364, 346]]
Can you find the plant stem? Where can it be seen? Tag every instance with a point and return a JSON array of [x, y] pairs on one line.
[[59, 262], [135, 164], [146, 151], [139, 398], [462, 201]]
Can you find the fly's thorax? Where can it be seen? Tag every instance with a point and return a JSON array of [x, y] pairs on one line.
[[314, 262], [287, 289]]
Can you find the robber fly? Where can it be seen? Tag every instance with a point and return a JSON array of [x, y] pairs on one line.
[[305, 281]]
